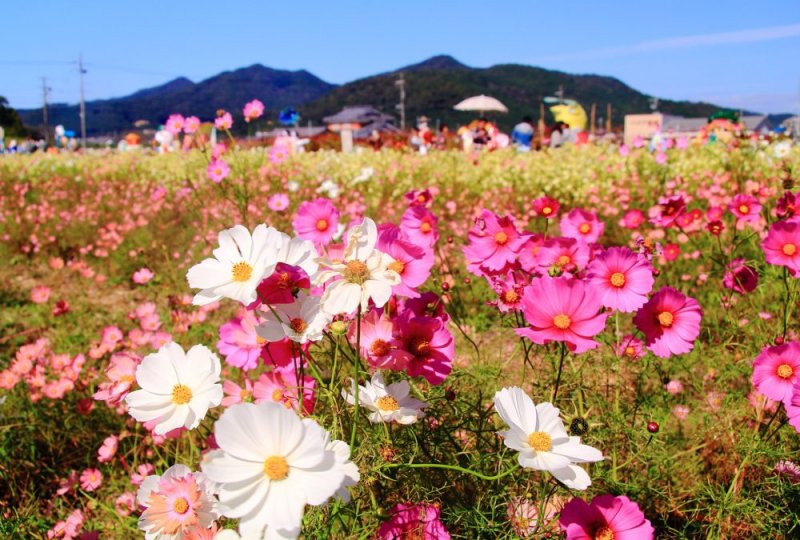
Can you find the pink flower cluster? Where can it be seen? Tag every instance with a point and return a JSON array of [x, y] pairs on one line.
[[46, 373]]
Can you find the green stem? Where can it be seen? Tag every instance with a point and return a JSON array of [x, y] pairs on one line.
[[560, 367], [356, 362], [453, 468]]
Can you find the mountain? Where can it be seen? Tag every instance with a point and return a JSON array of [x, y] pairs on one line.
[[435, 85], [229, 90]]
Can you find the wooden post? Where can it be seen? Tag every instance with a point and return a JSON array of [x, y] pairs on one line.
[[541, 121], [608, 118], [592, 118]]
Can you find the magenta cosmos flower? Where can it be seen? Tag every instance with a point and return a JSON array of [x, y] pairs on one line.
[[605, 518], [582, 225], [411, 261], [562, 309], [623, 278], [238, 341], [739, 277], [282, 286], [782, 245], [669, 209], [252, 110], [414, 521], [378, 343], [746, 208], [776, 370], [430, 345], [316, 221], [419, 225], [562, 255], [546, 207], [494, 242], [670, 321]]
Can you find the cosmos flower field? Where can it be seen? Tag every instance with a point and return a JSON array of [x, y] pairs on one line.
[[589, 342]]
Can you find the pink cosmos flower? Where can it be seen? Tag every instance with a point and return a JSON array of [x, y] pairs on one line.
[[788, 470], [142, 471], [674, 387], [561, 254], [582, 225], [40, 294], [108, 449], [430, 345], [278, 202], [142, 276], [252, 110], [632, 219], [317, 221], [629, 347], [236, 394], [421, 197], [494, 243], [121, 374], [282, 286], [546, 207], [623, 278], [739, 277], [278, 153], [429, 304], [562, 309], [524, 517], [606, 518], [509, 294], [670, 321], [746, 208], [91, 479], [782, 245], [669, 209], [412, 262], [174, 124], [280, 387], [776, 370], [378, 343], [419, 225], [238, 341], [223, 121], [671, 252], [661, 158], [65, 485], [681, 412], [125, 504], [217, 170], [191, 124], [419, 521], [175, 502]]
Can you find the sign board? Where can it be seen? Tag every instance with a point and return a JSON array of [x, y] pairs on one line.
[[642, 125]]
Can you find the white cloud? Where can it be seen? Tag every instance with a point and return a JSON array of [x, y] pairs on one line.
[[681, 42]]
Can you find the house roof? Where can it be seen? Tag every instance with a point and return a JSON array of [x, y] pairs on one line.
[[360, 114]]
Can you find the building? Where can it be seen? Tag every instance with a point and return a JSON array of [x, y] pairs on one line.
[[362, 120], [647, 125]]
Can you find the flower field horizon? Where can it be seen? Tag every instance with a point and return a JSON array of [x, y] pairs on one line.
[[586, 342]]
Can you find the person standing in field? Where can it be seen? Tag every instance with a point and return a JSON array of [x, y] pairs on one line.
[[522, 135]]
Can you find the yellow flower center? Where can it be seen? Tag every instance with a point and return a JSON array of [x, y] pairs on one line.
[[322, 225], [562, 321], [244, 395], [510, 296], [181, 394], [298, 325], [380, 348], [130, 379], [180, 505], [585, 228], [744, 209], [547, 210], [242, 271], [617, 279], [276, 468], [789, 249], [564, 260], [540, 441], [277, 395], [387, 403], [630, 351], [397, 266], [260, 340], [425, 227], [501, 238], [356, 272], [420, 346], [665, 319], [604, 533], [785, 371]]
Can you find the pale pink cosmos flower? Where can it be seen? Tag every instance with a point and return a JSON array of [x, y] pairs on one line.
[[419, 226], [582, 225], [630, 347], [494, 243], [142, 276], [120, 374], [217, 170], [142, 471], [236, 394], [789, 470], [623, 278], [670, 321], [674, 387], [108, 449], [570, 314], [223, 121], [191, 124], [238, 341], [317, 221], [281, 387], [40, 294], [91, 479], [174, 124], [252, 110], [125, 504], [776, 370], [681, 412], [606, 518], [278, 202]]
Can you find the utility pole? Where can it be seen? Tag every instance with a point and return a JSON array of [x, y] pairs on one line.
[[45, 90], [560, 93], [82, 71], [401, 84]]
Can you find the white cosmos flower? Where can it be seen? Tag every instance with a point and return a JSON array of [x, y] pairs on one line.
[[361, 275], [387, 403], [782, 149], [537, 433], [297, 252], [269, 466], [174, 501], [350, 469], [177, 388], [239, 264], [301, 321]]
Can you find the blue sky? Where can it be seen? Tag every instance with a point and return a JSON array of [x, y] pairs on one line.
[[742, 54]]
